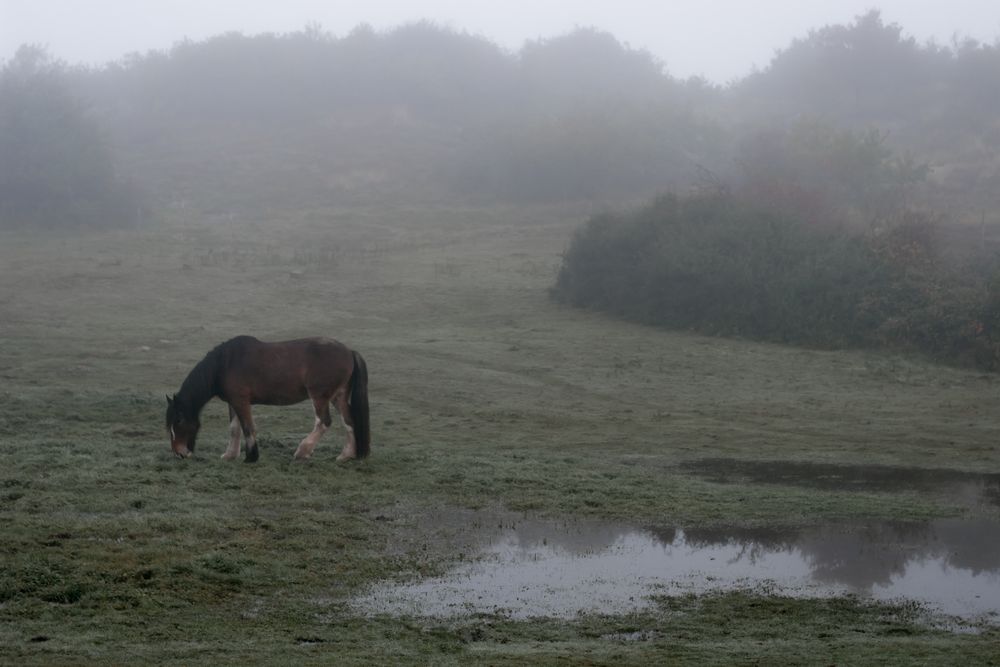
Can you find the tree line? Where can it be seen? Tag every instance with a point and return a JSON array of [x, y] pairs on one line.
[[427, 113]]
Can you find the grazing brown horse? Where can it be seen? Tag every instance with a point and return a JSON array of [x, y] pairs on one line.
[[244, 371]]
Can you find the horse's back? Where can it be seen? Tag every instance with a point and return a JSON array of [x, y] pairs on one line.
[[327, 359], [285, 371], [315, 346], [306, 356]]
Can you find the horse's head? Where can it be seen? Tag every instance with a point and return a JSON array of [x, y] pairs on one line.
[[183, 425]]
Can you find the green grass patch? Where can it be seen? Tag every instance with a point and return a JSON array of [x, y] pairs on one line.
[[484, 393]]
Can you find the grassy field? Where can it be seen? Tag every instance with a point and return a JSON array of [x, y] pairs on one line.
[[484, 393]]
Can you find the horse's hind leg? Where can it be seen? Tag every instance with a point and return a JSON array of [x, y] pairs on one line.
[[233, 450], [245, 416], [321, 404], [350, 450]]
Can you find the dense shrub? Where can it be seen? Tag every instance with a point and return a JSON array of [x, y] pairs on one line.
[[722, 264], [936, 298], [812, 168]]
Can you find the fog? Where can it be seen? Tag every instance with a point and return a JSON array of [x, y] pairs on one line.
[[831, 159], [686, 36]]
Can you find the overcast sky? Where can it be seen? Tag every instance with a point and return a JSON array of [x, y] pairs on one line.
[[718, 39]]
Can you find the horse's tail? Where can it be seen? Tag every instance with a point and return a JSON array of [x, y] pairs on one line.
[[359, 406]]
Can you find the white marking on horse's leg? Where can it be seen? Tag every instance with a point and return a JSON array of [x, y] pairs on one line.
[[308, 444], [350, 450], [233, 450]]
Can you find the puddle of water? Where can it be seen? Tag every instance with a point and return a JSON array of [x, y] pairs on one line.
[[970, 488], [533, 568]]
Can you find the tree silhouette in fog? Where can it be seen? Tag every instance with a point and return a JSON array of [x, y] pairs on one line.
[[425, 112], [57, 169]]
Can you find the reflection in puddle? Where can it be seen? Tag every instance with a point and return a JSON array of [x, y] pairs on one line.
[[558, 569]]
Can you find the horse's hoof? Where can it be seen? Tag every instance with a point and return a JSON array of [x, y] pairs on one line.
[[228, 457], [252, 456]]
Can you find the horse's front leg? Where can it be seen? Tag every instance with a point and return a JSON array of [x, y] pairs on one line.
[[321, 404], [233, 450], [245, 416]]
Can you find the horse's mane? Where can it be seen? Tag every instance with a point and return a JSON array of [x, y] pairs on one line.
[[202, 383]]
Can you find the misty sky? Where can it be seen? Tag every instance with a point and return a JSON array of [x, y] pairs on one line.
[[718, 39]]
